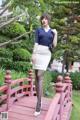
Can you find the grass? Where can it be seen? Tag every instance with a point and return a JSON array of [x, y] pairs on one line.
[[76, 106], [14, 75], [47, 88]]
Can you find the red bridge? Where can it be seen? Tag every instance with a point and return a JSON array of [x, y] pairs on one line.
[[18, 98]]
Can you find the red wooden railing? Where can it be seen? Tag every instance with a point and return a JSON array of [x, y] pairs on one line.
[[13, 90], [60, 107]]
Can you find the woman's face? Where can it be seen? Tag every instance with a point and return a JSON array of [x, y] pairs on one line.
[[44, 22]]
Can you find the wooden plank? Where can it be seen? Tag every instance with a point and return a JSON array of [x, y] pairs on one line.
[[16, 107], [17, 81], [53, 105], [24, 109], [15, 89], [3, 107], [3, 88], [34, 99], [3, 97], [28, 111], [25, 117], [11, 118], [25, 86], [17, 116], [67, 111], [31, 102], [56, 112]]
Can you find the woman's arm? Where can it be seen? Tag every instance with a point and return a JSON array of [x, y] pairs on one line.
[[35, 48], [36, 41], [55, 37]]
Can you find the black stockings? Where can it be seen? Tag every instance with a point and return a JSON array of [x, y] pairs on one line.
[[38, 82]]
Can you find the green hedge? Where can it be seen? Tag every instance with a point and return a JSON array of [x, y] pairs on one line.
[[18, 66], [14, 75], [21, 54], [54, 75], [47, 89], [19, 59], [21, 66], [75, 77]]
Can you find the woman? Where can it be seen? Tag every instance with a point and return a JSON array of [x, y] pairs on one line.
[[44, 38]]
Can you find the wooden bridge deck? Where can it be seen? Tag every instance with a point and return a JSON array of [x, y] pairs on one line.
[[25, 107], [23, 100]]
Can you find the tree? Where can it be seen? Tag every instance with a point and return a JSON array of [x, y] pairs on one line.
[[17, 30], [23, 12], [66, 20]]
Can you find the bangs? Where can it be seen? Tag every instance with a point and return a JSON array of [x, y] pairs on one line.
[[46, 16]]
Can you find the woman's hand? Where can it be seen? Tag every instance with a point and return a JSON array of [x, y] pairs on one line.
[[33, 59]]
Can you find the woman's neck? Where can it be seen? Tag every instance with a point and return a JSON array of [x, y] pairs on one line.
[[46, 27]]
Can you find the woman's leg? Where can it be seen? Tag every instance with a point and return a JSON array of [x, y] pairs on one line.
[[38, 82]]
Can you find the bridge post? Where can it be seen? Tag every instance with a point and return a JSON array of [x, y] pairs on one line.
[[67, 80], [59, 89], [8, 82], [31, 81]]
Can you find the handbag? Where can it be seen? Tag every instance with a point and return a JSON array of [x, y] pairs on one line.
[[54, 42], [51, 47]]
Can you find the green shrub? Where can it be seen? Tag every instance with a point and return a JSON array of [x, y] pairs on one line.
[[21, 66], [13, 30], [47, 87], [6, 58], [5, 53], [6, 63], [18, 66], [14, 75], [54, 75], [51, 76], [21, 54], [2, 75], [75, 77]]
